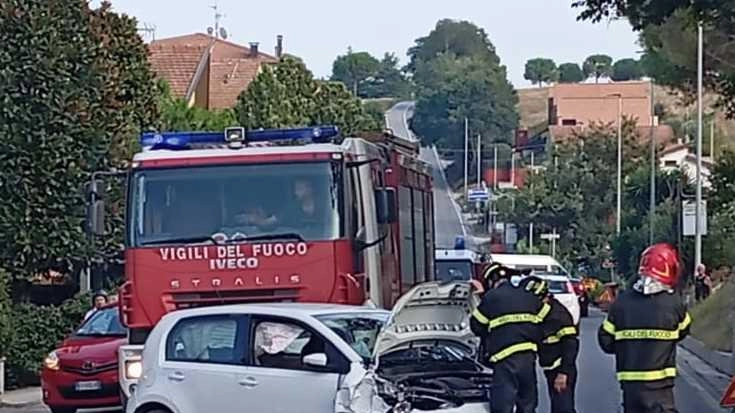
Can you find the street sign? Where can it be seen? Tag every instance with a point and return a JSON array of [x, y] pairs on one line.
[[478, 195], [551, 236], [688, 216]]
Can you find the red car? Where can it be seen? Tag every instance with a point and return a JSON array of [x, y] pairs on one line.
[[82, 372]]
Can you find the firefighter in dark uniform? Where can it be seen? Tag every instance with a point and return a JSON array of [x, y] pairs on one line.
[[642, 328], [558, 351], [508, 320]]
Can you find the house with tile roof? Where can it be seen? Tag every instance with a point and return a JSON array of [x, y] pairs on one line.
[[207, 71]]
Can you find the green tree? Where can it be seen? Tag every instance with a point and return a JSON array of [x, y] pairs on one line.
[[389, 80], [459, 38], [597, 66], [540, 70], [77, 88], [176, 115], [722, 194], [354, 69], [450, 88], [570, 73], [287, 95], [626, 69], [575, 194]]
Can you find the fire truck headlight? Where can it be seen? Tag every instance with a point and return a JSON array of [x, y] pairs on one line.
[[133, 369], [51, 361]]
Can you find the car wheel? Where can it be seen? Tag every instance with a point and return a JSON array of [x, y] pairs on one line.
[[58, 409]]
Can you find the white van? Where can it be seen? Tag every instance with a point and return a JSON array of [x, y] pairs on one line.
[[538, 263]]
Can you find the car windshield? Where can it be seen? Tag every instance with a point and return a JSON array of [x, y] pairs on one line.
[[195, 204], [559, 287], [453, 270], [103, 323], [360, 330]]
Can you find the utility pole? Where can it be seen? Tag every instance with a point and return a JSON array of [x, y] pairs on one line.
[[698, 210], [652, 206], [479, 160], [620, 163], [495, 167], [466, 153]]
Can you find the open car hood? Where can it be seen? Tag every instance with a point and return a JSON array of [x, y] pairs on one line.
[[430, 311]]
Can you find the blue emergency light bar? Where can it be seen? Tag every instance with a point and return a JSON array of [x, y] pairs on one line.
[[185, 140], [459, 242]]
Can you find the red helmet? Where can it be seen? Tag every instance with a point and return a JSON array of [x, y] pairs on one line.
[[661, 262]]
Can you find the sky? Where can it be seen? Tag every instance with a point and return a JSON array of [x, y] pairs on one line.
[[319, 30]]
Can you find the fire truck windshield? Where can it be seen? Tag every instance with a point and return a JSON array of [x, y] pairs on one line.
[[198, 204]]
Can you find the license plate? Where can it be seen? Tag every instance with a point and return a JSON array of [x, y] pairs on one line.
[[88, 385]]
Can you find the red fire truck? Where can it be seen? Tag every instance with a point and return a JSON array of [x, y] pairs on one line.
[[273, 215], [270, 215]]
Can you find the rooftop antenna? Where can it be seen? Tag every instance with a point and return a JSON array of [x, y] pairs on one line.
[[217, 31], [148, 30]]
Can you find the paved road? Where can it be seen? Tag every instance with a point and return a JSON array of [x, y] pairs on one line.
[[598, 392], [397, 119]]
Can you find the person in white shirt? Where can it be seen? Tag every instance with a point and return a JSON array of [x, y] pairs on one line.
[[99, 299]]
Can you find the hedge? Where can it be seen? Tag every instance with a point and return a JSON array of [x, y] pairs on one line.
[[34, 331]]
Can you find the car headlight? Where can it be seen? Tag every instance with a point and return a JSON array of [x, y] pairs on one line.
[[51, 361], [133, 369]]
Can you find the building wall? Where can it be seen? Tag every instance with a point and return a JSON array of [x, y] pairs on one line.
[[588, 103]]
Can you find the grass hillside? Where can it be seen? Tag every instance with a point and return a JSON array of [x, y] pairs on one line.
[[711, 319]]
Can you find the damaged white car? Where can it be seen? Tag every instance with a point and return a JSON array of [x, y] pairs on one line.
[[318, 358]]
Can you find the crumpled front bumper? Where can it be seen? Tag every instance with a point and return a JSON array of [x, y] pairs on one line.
[[359, 394]]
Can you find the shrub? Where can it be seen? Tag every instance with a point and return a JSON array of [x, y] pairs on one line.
[[36, 331]]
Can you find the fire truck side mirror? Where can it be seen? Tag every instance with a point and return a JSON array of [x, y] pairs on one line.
[[95, 209], [385, 200]]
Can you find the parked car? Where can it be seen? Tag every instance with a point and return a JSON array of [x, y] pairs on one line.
[[582, 296], [286, 357], [82, 372], [561, 287]]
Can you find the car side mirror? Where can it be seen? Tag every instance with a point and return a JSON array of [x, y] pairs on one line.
[[95, 209], [315, 360]]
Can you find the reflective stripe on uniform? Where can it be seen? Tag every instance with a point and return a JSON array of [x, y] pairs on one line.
[[647, 334], [685, 323], [608, 327], [513, 318], [553, 365], [520, 318], [543, 312], [652, 375], [556, 337], [479, 316], [509, 351]]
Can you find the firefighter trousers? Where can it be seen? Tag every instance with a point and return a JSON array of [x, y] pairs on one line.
[[640, 398], [561, 402], [514, 384]]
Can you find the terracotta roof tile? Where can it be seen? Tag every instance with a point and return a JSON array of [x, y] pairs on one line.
[[228, 78], [226, 48], [175, 63]]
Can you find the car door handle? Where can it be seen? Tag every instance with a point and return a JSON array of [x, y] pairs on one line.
[[248, 381], [176, 376]]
